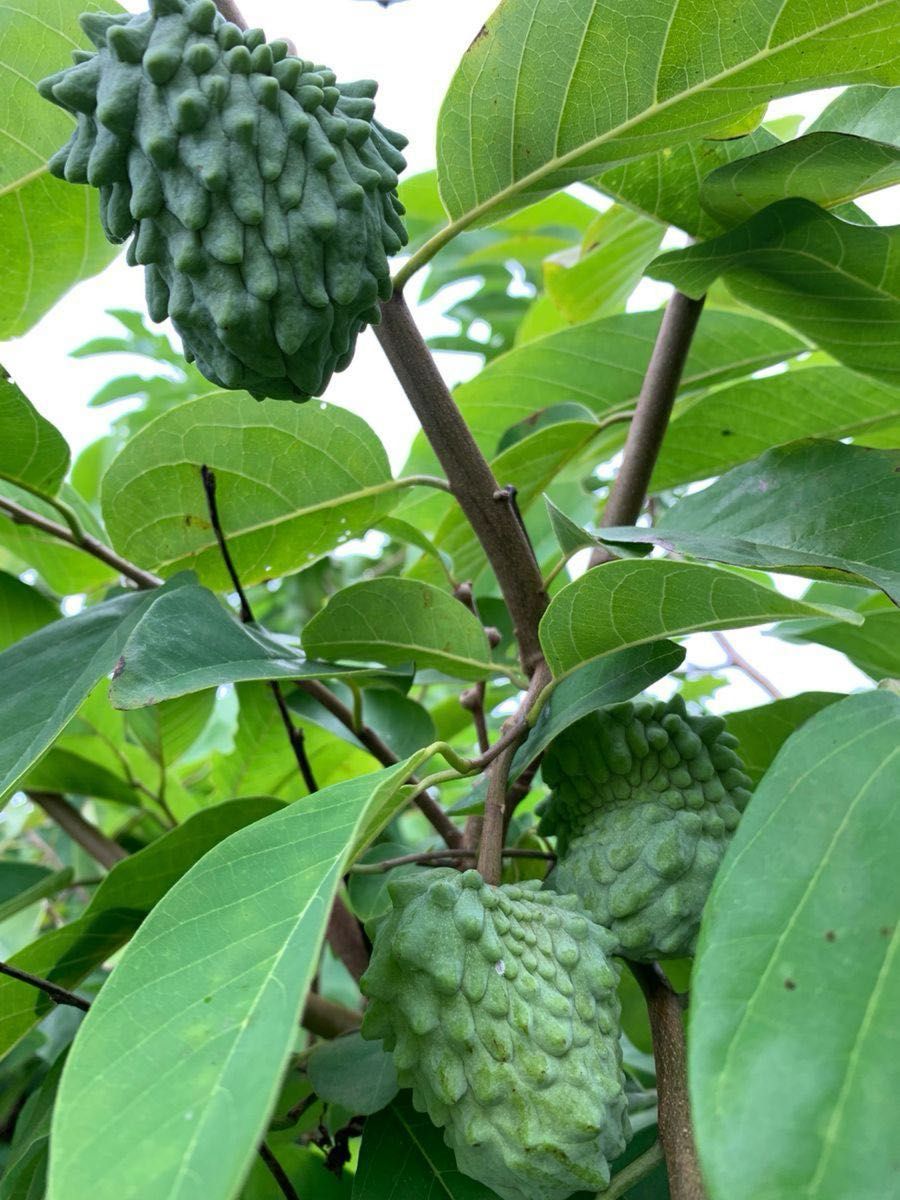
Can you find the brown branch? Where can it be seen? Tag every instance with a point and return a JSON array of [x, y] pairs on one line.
[[490, 852], [651, 416], [346, 940], [382, 752], [231, 12], [90, 545], [737, 660], [277, 1171], [440, 856], [95, 843], [57, 994], [664, 1007], [494, 520], [326, 1019]]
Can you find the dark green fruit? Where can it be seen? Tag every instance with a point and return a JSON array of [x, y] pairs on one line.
[[261, 193], [645, 799], [500, 1007]]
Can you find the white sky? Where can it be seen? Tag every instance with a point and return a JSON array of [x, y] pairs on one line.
[[412, 48]]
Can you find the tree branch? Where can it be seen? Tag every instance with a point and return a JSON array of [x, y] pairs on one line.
[[440, 856], [664, 1006], [622, 1183], [326, 1019], [59, 995], [346, 940], [485, 504], [651, 416], [277, 1171], [95, 843], [90, 545], [490, 851], [736, 659]]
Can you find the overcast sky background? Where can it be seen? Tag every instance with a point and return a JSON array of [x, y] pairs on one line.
[[412, 48]]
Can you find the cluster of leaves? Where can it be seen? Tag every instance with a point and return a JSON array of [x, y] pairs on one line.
[[156, 803]]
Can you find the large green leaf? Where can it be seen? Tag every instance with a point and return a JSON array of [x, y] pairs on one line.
[[631, 602], [398, 621], [403, 1154], [358, 1075], [48, 675], [186, 641], [874, 646], [293, 482], [50, 231], [867, 111], [796, 987], [550, 91], [125, 896], [176, 1071], [826, 168], [23, 609], [733, 424], [836, 283], [762, 731], [34, 454], [811, 507]]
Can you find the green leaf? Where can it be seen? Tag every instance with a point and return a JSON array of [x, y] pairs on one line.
[[293, 482], [825, 168], [601, 274], [874, 646], [245, 927], [36, 210], [601, 365], [397, 621], [34, 453], [25, 1170], [353, 1073], [835, 283], [24, 883], [548, 93], [631, 602], [23, 609], [48, 675], [133, 886], [403, 1154], [800, 934], [867, 111], [733, 424], [763, 731], [62, 771], [809, 508], [186, 641], [571, 536]]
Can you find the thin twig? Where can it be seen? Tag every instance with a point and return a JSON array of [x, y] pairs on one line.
[[496, 524], [295, 735], [622, 1183], [59, 995], [437, 856], [95, 843], [276, 1170], [346, 940], [664, 1007], [90, 545], [737, 660], [326, 1019], [490, 852], [651, 416], [382, 752], [472, 699]]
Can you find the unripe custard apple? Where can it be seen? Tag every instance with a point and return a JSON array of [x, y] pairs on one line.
[[260, 192], [644, 801], [500, 1007]]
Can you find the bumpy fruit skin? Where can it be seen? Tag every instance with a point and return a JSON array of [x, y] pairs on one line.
[[260, 192], [500, 1007], [645, 799]]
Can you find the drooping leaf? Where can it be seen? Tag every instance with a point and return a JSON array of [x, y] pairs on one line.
[[547, 94], [24, 883], [62, 771], [800, 934], [36, 210], [733, 424], [34, 454], [48, 675], [25, 1169], [245, 926], [293, 482], [827, 168], [811, 507], [397, 621], [835, 283], [186, 641], [353, 1073], [23, 609], [762, 731], [404, 1154], [631, 602], [874, 646], [125, 896]]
